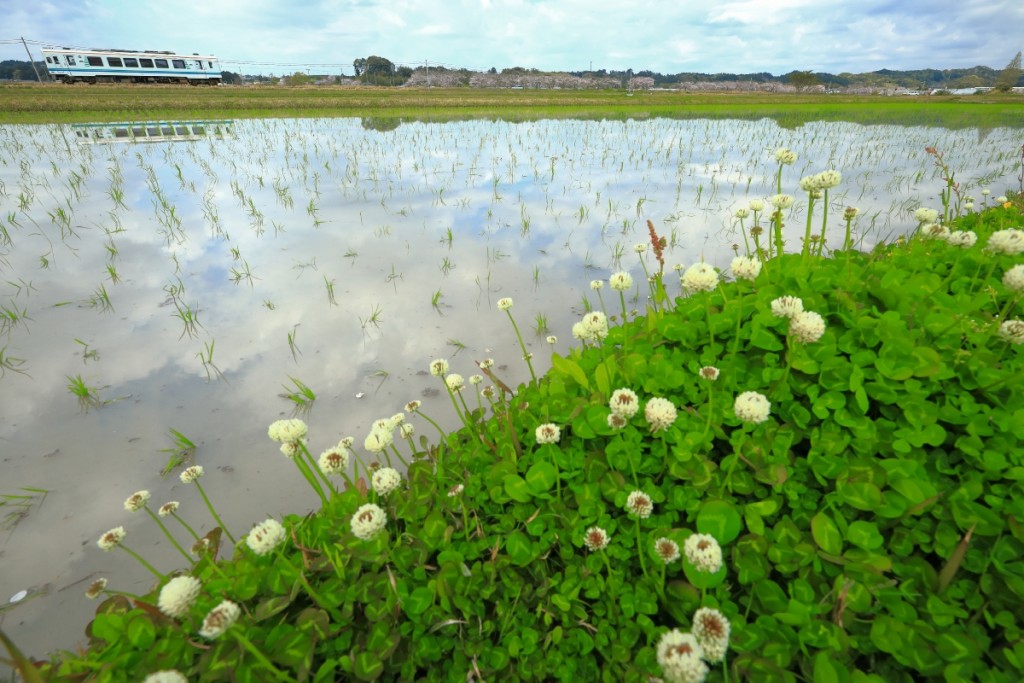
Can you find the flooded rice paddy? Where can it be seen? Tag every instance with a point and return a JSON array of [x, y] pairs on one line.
[[191, 279]]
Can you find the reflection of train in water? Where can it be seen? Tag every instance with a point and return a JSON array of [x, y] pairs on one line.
[[69, 65], [152, 131]]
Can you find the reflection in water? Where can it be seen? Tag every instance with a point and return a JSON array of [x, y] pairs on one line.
[[380, 123], [151, 131], [322, 251]]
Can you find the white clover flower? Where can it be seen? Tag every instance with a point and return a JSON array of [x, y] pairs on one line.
[[1009, 241], [412, 406], [191, 474], [455, 381], [111, 539], [809, 183], [745, 268], [741, 213], [787, 306], [641, 247], [681, 657], [548, 433], [1012, 331], [178, 595], [752, 407], [986, 192], [620, 281], [285, 431], [367, 521], [926, 215], [579, 331], [711, 629], [624, 402], [382, 425], [639, 504], [828, 179], [485, 364], [439, 367], [333, 460], [596, 538], [968, 206], [385, 480], [96, 589], [806, 327], [850, 213], [709, 372], [378, 441], [265, 536], [784, 155], [1013, 279], [396, 420], [703, 552], [616, 421], [660, 414], [935, 231], [290, 449], [167, 676], [456, 490], [595, 326], [756, 205], [667, 550], [168, 509], [596, 284], [781, 201], [220, 619], [136, 501], [504, 304], [476, 379], [700, 277], [1001, 199], [406, 430], [552, 339], [964, 239]]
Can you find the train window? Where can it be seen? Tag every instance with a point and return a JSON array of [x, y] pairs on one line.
[[178, 63], [95, 61], [146, 63], [131, 62], [161, 63], [209, 64], [71, 60], [114, 61]]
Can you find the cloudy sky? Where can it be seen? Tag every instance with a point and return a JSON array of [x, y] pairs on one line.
[[670, 36]]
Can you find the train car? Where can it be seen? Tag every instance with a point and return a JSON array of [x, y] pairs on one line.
[[70, 65]]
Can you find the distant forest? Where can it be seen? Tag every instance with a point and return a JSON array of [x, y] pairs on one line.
[[922, 79]]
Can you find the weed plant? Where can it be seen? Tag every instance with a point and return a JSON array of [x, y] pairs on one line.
[[809, 472]]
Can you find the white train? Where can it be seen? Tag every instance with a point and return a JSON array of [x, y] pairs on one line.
[[69, 65]]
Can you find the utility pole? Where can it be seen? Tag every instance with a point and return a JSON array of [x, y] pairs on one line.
[[32, 62], [426, 66]]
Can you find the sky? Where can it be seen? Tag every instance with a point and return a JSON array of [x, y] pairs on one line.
[[667, 36]]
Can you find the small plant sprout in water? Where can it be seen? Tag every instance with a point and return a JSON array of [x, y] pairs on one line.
[[330, 291], [15, 506], [180, 452], [540, 324], [375, 318], [11, 363], [301, 396], [292, 346], [435, 300], [88, 396], [206, 358], [100, 299], [87, 353]]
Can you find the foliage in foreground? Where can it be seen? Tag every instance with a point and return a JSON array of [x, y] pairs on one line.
[[871, 526]]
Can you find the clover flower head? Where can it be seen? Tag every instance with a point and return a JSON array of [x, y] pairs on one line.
[[1013, 279], [579, 331], [594, 326], [382, 424], [986, 192], [926, 215], [378, 440], [828, 179], [710, 373], [1001, 199], [935, 231], [1012, 331], [965, 239], [396, 420], [703, 552], [711, 629], [968, 206], [412, 406], [700, 277], [385, 480], [439, 367], [806, 327], [809, 183], [667, 550], [111, 539], [485, 364], [641, 247], [168, 508], [745, 268], [368, 521], [165, 676], [681, 657], [178, 595], [850, 213], [1009, 241], [488, 392], [752, 407], [548, 433], [552, 339], [290, 449], [620, 281], [406, 430], [624, 402], [96, 589], [191, 474], [784, 155], [334, 460], [660, 414], [285, 431], [456, 490], [639, 504], [756, 205], [787, 306], [596, 284], [220, 619], [265, 536], [504, 304], [136, 501], [455, 381], [742, 212], [781, 201], [596, 538], [616, 421]]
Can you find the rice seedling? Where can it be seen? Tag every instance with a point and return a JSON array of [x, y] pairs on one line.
[[459, 346], [540, 324], [100, 299], [292, 345], [15, 506], [11, 363], [206, 358], [87, 353], [329, 284], [447, 265], [189, 316], [301, 396], [435, 300], [383, 375], [181, 452], [88, 396], [11, 316], [375, 318], [392, 277]]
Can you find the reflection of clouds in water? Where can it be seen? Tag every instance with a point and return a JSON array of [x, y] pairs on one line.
[[569, 194]]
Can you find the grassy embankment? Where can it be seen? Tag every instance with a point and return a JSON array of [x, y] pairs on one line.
[[82, 103]]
